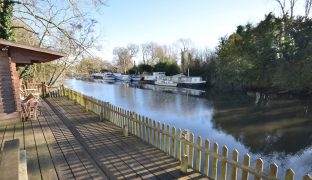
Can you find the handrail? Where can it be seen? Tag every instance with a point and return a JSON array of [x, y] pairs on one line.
[[174, 143]]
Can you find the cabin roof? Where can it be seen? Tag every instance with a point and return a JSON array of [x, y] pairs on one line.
[[25, 54]]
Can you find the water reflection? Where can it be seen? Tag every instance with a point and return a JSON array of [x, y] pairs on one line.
[[276, 129], [275, 125]]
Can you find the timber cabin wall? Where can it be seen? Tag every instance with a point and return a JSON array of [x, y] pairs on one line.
[[9, 87]]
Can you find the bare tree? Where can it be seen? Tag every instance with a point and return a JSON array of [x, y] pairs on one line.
[[147, 51], [292, 6], [63, 25], [124, 56], [307, 8], [185, 48]]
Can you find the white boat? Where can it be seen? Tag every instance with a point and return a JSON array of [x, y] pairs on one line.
[[191, 80], [166, 83], [120, 77], [109, 76], [135, 77], [152, 78], [97, 77]]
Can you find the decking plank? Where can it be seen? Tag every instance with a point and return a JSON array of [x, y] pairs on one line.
[[83, 161], [2, 133], [60, 164], [46, 164], [75, 164], [167, 168], [106, 155], [8, 134], [141, 157], [33, 168], [19, 134]]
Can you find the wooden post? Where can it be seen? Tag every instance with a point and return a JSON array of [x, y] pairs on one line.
[[43, 93], [307, 177], [185, 142], [125, 130], [179, 144], [184, 163], [290, 174], [163, 139], [206, 157], [168, 140], [147, 130], [198, 154], [273, 171], [224, 163], [234, 168], [246, 163], [150, 131], [259, 168], [215, 161], [154, 134], [191, 150], [158, 135], [173, 142]]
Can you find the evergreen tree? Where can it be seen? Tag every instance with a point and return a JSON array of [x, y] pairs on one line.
[[6, 20]]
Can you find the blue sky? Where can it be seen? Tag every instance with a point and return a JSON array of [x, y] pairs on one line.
[[166, 21]]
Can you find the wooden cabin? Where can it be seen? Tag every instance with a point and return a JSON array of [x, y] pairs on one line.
[[13, 55]]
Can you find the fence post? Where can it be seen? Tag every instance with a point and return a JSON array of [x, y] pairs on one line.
[[125, 130], [179, 144], [198, 154], [163, 139], [273, 170], [224, 163], [234, 168], [191, 150], [206, 157], [184, 163], [215, 161], [307, 177], [173, 142], [246, 162], [158, 135], [259, 168], [290, 174], [168, 140]]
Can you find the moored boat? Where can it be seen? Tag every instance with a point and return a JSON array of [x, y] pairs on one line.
[[134, 77], [165, 83]]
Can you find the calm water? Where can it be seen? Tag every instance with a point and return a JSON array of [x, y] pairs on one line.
[[275, 129]]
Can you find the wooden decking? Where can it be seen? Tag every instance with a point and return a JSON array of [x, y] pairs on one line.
[[68, 143]]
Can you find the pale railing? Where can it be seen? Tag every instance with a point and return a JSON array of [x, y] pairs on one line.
[[177, 144]]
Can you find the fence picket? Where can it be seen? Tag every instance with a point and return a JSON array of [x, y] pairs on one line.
[[158, 135], [307, 177], [259, 168], [206, 157], [198, 154], [224, 163], [191, 151], [290, 174], [163, 140], [234, 168], [168, 140], [246, 162], [273, 171], [215, 162], [179, 144], [173, 142]]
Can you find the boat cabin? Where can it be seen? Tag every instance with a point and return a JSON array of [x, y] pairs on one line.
[[13, 55]]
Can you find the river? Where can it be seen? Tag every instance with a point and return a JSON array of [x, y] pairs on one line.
[[277, 129]]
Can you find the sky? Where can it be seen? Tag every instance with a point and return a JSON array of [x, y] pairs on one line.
[[165, 21]]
